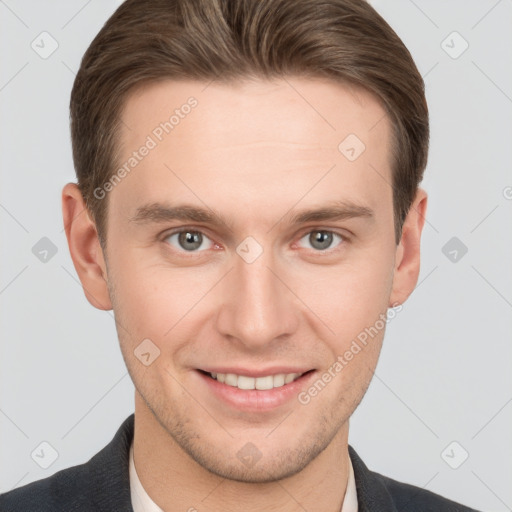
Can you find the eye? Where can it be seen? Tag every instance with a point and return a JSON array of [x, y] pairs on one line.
[[187, 240], [321, 239]]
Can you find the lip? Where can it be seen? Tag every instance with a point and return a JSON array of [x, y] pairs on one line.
[[255, 400], [275, 370]]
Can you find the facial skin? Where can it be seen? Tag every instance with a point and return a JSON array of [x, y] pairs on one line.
[[257, 153]]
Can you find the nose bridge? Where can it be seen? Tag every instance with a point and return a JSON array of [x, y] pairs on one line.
[[257, 307]]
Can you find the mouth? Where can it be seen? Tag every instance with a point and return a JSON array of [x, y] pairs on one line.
[[262, 383], [254, 391]]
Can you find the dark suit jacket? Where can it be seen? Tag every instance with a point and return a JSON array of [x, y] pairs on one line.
[[103, 484]]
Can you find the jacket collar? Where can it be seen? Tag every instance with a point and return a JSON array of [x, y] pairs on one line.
[[372, 494], [109, 471], [111, 464]]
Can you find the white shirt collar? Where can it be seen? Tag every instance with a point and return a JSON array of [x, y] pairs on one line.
[[141, 502]]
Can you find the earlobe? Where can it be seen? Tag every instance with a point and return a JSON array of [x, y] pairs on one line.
[[85, 248], [407, 259]]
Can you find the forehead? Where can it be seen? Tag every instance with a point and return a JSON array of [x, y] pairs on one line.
[[299, 106], [254, 140]]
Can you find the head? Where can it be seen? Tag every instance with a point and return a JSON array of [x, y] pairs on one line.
[[248, 199]]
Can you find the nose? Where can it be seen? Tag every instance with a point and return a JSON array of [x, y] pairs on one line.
[[257, 309]]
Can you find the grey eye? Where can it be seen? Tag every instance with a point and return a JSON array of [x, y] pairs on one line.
[[321, 239], [187, 240]]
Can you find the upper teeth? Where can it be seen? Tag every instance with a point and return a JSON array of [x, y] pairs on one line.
[[262, 383]]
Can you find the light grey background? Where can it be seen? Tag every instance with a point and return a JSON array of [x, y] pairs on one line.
[[445, 370]]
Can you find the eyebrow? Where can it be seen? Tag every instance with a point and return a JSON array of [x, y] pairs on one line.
[[162, 212]]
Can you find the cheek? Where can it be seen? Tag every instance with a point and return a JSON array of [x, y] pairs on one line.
[[151, 298], [349, 298]]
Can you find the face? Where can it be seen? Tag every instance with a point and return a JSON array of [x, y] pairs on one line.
[[247, 242]]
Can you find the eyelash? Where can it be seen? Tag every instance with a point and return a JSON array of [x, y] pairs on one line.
[[344, 240]]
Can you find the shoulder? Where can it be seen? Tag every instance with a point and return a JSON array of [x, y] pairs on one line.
[[409, 498], [379, 492], [60, 491], [102, 483]]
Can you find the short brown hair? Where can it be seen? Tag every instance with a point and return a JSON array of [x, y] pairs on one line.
[[224, 40]]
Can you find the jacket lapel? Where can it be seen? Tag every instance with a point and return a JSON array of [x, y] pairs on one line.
[[372, 494], [109, 472]]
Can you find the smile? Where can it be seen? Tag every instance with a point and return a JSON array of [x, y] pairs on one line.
[[260, 383]]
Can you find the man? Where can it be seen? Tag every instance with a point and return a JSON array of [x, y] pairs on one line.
[[248, 204]]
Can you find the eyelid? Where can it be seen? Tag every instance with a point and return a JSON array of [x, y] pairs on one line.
[[329, 251], [305, 231], [346, 235], [190, 229]]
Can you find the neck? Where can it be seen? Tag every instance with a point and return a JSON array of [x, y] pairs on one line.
[[176, 482]]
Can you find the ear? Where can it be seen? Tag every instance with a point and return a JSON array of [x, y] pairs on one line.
[[407, 258], [85, 248]]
